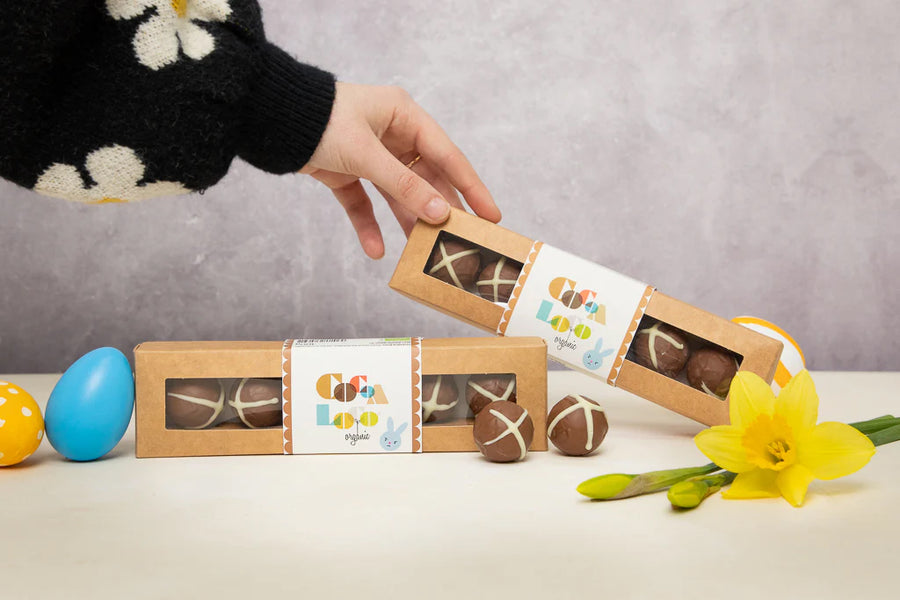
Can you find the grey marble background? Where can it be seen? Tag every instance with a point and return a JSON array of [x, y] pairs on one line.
[[742, 156]]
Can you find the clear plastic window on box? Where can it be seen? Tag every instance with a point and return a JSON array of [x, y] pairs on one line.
[[456, 399], [232, 403], [684, 357], [255, 403], [473, 268]]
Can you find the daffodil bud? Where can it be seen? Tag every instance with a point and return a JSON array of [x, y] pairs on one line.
[[605, 487], [616, 486], [690, 493]]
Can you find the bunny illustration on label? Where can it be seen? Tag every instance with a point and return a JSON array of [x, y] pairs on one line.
[[583, 310], [593, 358], [390, 439]]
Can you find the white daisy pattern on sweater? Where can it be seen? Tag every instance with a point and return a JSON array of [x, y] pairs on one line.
[[158, 39], [116, 171]]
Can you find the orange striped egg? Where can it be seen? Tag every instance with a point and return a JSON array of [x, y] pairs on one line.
[[792, 360]]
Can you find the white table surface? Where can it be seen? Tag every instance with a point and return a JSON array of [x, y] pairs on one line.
[[446, 525]]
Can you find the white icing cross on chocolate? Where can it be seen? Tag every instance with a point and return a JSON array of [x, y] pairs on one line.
[[495, 281], [510, 386], [511, 429], [654, 333], [239, 406], [431, 404], [215, 405], [587, 407], [446, 262]]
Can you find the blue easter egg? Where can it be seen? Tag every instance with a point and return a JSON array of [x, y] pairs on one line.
[[90, 407]]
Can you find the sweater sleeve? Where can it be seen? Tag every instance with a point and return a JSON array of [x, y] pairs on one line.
[[122, 100]]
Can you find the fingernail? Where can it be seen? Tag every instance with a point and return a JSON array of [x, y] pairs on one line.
[[437, 209]]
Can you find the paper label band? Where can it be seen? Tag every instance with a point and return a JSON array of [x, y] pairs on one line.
[[587, 313], [352, 396]]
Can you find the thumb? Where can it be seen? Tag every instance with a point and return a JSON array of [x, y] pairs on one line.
[[418, 196]]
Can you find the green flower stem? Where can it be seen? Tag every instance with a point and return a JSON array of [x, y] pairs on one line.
[[691, 492], [616, 486], [876, 424], [886, 435]]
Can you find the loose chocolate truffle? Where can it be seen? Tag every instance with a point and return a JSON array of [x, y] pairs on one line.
[[711, 370], [503, 431], [439, 397], [497, 280], [455, 262], [662, 348], [193, 403], [481, 390], [257, 402], [577, 425]]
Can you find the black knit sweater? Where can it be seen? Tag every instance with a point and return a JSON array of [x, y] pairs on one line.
[[118, 100]]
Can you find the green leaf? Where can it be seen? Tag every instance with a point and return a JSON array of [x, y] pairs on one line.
[[876, 424], [886, 435]]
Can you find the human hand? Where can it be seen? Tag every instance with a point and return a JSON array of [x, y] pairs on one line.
[[375, 133]]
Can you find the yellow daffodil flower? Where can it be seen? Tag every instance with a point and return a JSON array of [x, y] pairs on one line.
[[775, 445]]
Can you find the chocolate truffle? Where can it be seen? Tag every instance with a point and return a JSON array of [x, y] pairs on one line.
[[577, 425], [481, 390], [439, 397], [455, 262], [497, 280], [503, 431], [193, 403], [711, 370], [662, 348], [257, 402]]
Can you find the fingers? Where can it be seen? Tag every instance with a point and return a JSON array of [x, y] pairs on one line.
[[382, 168], [436, 147], [426, 171], [405, 218], [356, 203], [338, 181], [447, 191], [333, 180]]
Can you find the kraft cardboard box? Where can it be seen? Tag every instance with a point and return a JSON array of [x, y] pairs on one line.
[[324, 396], [590, 316]]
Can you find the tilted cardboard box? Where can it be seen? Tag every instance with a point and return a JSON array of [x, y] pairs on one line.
[[574, 336]]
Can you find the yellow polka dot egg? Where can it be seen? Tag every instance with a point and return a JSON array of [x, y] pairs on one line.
[[21, 424]]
